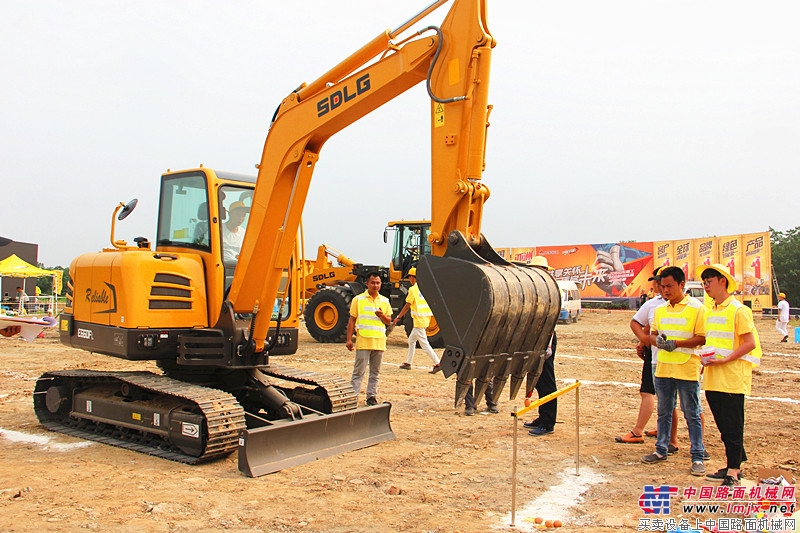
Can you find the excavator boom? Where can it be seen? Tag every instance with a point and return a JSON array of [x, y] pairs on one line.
[[496, 317]]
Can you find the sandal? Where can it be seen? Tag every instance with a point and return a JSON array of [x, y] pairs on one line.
[[630, 438]]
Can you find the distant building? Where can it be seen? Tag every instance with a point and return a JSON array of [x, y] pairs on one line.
[[28, 252]]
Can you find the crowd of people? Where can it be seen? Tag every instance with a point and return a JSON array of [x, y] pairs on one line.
[[683, 344]]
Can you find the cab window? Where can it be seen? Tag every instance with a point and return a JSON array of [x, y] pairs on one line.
[[183, 211]]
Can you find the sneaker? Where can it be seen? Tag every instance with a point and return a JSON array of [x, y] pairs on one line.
[[469, 411], [532, 424], [730, 481], [538, 431], [785, 339], [706, 456], [651, 433], [672, 450], [653, 458], [720, 475], [698, 468], [372, 400], [436, 368], [630, 438], [405, 366], [493, 409]]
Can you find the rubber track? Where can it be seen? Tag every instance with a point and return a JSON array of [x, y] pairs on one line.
[[223, 415], [340, 392]]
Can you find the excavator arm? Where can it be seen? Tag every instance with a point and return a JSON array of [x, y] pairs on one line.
[[509, 310]]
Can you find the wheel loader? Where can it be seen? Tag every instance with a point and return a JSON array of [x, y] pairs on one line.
[[215, 317], [330, 289]]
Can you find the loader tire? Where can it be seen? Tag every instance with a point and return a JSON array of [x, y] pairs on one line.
[[327, 313], [432, 331]]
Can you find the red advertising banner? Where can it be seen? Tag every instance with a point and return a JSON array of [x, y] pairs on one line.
[[522, 255], [603, 270], [622, 269]]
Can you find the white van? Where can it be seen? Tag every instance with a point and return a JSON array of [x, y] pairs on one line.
[[695, 289], [570, 301]]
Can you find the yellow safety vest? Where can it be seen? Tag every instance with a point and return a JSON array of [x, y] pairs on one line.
[[720, 332], [677, 326], [420, 311], [367, 323]]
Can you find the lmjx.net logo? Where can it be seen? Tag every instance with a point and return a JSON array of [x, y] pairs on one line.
[[751, 509], [655, 500]]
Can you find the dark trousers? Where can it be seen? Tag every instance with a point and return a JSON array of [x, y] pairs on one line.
[[728, 411], [469, 399], [547, 385]]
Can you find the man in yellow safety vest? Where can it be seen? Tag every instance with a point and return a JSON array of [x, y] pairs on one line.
[[729, 371], [676, 330], [421, 314], [370, 313]]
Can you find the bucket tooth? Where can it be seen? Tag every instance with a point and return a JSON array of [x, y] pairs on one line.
[[516, 383], [461, 392], [464, 381], [501, 376], [485, 371], [530, 369]]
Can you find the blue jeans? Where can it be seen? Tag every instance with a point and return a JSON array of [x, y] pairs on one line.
[[667, 390]]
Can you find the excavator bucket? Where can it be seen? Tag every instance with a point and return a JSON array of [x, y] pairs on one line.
[[496, 317], [281, 444]]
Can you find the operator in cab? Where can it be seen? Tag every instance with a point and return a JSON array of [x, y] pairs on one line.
[[233, 232]]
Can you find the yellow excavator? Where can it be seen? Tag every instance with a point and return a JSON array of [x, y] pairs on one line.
[[213, 316], [329, 288]]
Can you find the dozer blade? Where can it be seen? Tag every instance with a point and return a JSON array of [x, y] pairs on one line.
[[282, 444], [496, 318]]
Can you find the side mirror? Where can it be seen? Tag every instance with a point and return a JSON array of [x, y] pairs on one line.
[[127, 209]]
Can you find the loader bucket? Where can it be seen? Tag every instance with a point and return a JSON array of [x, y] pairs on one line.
[[496, 317], [282, 444]]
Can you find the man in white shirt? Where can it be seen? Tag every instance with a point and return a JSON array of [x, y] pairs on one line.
[[783, 317], [233, 232]]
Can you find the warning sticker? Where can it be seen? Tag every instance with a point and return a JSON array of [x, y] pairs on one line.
[[438, 116], [190, 430]]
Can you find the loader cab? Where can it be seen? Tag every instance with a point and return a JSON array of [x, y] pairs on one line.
[[410, 243]]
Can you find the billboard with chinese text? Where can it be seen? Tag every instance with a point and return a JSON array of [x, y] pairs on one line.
[[613, 270]]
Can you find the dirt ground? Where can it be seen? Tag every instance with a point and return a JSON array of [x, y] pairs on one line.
[[444, 472]]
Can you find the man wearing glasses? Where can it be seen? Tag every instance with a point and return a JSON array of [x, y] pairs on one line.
[[729, 371]]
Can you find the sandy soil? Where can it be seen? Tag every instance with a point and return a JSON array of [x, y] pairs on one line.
[[444, 472]]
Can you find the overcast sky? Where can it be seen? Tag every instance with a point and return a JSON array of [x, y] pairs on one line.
[[616, 120]]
